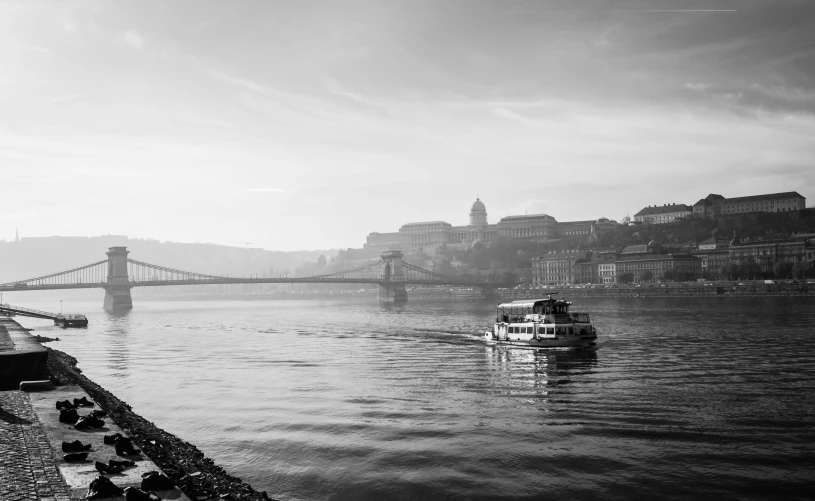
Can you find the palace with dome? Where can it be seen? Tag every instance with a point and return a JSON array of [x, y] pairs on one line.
[[430, 234]]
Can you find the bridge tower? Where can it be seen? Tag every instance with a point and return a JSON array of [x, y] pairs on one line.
[[392, 287], [117, 290]]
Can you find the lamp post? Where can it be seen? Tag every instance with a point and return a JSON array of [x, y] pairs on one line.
[[60, 306]]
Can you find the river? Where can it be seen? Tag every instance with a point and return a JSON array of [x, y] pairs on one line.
[[344, 399]]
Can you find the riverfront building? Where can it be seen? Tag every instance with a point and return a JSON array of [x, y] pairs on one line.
[[534, 227], [667, 213], [716, 205]]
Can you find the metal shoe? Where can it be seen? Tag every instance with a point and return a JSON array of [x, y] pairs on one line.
[[155, 481], [111, 439], [75, 456], [102, 487], [75, 446], [84, 402], [86, 422], [69, 416]]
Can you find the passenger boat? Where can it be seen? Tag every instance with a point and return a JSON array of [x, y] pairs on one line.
[[541, 323]]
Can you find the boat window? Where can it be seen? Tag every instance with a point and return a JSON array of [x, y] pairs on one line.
[[523, 330], [561, 330], [550, 330], [541, 330], [571, 331]]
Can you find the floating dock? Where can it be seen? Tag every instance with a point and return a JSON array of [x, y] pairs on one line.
[[74, 320]]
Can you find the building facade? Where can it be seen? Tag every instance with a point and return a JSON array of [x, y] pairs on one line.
[[606, 271], [687, 266], [717, 205], [535, 227], [660, 214], [557, 268]]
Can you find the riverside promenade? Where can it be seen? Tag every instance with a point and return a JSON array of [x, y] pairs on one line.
[[31, 458], [28, 463]]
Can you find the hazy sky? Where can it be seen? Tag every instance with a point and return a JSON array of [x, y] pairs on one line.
[[304, 124]]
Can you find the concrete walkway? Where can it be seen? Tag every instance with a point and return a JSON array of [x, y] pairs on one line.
[[28, 465], [79, 475]]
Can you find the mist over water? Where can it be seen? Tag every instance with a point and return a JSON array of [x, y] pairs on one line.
[[319, 399]]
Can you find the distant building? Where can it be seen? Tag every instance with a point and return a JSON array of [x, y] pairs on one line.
[[558, 268], [606, 271], [685, 266], [535, 227], [767, 253], [717, 205], [659, 214]]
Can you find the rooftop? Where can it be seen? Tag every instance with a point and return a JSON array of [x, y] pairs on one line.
[[663, 209], [771, 196], [528, 216], [428, 223]]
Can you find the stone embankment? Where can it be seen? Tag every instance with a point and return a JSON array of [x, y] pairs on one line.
[[195, 474]]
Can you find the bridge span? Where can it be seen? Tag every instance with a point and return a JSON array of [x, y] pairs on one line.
[[118, 274]]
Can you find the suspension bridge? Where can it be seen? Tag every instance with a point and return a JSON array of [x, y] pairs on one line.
[[118, 274]]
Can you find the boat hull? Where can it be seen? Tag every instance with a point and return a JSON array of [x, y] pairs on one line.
[[546, 343]]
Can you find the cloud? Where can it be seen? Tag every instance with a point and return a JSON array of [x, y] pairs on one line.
[[243, 83], [336, 88], [266, 190], [133, 39], [697, 86]]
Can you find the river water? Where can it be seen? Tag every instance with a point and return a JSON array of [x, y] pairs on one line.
[[345, 399]]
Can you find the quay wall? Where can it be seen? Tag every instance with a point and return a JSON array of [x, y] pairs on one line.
[[22, 358]]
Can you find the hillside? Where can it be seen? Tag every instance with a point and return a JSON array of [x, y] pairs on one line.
[[31, 257]]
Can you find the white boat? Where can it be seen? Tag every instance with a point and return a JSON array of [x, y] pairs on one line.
[[541, 323]]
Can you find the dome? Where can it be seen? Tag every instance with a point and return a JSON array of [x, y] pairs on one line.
[[478, 206]]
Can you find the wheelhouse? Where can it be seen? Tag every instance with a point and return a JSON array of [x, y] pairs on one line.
[[547, 310]]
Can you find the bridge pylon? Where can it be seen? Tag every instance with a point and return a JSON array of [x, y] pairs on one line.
[[117, 288], [392, 288]]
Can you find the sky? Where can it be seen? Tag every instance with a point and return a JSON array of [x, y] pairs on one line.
[[302, 125]]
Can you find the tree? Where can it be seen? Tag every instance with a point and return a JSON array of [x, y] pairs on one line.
[[444, 266], [732, 271], [782, 269], [625, 278], [321, 262], [646, 276], [669, 274], [802, 269]]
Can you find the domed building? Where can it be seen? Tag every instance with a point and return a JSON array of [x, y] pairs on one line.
[[430, 234], [478, 213]]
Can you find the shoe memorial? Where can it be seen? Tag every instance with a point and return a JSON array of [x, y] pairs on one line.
[[69, 416], [124, 447], [102, 487], [84, 402], [124, 463], [98, 414], [155, 481], [65, 404], [134, 494], [86, 422], [75, 446], [108, 469], [111, 439], [75, 456]]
